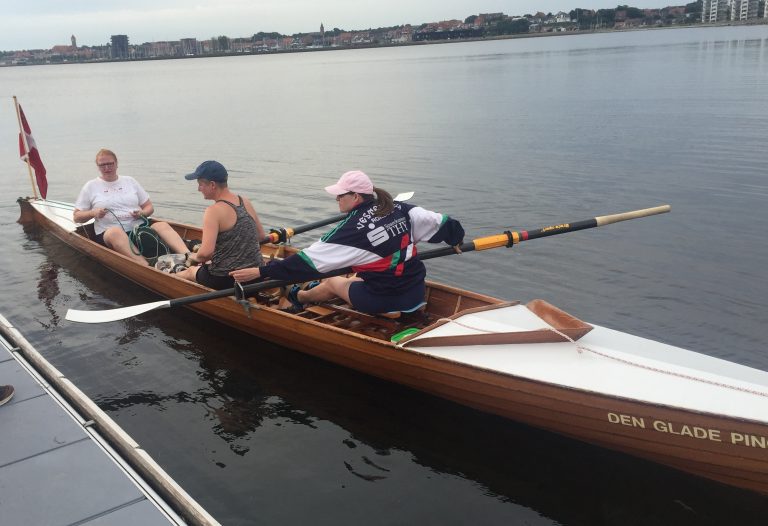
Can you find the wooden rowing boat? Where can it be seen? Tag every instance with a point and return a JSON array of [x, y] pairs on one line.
[[531, 363]]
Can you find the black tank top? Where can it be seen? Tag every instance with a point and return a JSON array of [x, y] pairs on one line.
[[238, 247]]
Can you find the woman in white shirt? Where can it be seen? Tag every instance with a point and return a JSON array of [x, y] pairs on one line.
[[117, 204]]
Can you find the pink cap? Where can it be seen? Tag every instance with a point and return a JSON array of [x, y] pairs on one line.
[[354, 181]]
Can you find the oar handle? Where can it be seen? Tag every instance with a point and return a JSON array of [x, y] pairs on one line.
[[509, 238], [636, 214], [281, 235]]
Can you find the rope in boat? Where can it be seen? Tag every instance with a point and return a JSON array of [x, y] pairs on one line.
[[135, 235], [581, 348], [59, 204], [142, 230], [450, 320]]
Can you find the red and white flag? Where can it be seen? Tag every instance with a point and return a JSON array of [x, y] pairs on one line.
[[32, 156]]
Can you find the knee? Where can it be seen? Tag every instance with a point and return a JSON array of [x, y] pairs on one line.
[[337, 284], [113, 235], [189, 274]]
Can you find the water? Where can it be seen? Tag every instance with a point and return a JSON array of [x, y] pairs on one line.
[[506, 134]]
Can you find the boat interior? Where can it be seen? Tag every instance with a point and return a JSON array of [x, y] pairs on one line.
[[441, 301]]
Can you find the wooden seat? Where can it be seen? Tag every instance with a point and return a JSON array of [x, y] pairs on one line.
[[348, 311], [342, 315]]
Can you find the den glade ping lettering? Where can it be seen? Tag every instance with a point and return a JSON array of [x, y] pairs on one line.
[[702, 433]]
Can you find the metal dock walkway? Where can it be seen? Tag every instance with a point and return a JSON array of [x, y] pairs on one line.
[[65, 462]]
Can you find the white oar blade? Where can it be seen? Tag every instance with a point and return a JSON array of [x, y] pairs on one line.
[[403, 197], [104, 316]]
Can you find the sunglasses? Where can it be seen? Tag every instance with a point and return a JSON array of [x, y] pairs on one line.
[[338, 197]]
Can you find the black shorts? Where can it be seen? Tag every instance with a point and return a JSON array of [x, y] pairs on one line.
[[150, 245], [364, 300], [99, 238], [204, 277]]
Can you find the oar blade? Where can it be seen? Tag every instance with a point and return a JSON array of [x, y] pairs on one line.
[[105, 316], [403, 197]]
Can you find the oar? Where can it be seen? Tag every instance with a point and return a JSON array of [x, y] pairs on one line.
[[281, 235], [506, 239]]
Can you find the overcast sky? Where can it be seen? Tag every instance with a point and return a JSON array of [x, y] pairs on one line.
[[42, 24]]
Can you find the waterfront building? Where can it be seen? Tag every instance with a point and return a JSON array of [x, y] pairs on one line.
[[241, 45], [189, 47], [744, 9], [714, 11], [119, 46]]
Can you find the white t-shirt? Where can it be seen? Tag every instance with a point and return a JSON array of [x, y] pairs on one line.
[[120, 198]]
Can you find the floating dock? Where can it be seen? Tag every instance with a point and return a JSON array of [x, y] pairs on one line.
[[64, 461]]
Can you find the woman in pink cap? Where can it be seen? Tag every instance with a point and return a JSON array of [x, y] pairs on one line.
[[377, 239]]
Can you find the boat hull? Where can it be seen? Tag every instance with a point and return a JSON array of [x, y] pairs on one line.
[[729, 450]]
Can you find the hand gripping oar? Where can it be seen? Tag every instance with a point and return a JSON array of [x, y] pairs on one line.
[[506, 239], [281, 235]]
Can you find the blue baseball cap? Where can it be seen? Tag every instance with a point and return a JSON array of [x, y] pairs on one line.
[[210, 171]]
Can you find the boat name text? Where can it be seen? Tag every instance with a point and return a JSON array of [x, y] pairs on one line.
[[686, 430]]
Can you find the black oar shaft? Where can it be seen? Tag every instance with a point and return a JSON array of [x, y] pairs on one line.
[[249, 290], [201, 297], [281, 235], [554, 230], [317, 224]]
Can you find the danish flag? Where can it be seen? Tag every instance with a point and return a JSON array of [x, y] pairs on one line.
[[30, 155]]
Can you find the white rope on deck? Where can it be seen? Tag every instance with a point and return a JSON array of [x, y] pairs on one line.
[[581, 348]]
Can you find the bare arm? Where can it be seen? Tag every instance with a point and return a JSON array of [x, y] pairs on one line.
[[252, 212], [211, 221], [146, 209], [245, 274], [81, 216]]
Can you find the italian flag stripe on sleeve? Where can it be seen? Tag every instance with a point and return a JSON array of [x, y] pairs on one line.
[[307, 260]]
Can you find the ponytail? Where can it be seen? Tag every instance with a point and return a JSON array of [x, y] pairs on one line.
[[384, 202]]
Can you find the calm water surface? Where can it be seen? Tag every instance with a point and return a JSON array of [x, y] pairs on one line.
[[506, 134]]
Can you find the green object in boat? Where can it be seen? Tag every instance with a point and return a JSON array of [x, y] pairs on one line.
[[402, 334]]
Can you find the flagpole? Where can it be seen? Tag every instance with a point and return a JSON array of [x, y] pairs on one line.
[[26, 146]]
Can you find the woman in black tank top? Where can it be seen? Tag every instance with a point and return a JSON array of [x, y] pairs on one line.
[[231, 231]]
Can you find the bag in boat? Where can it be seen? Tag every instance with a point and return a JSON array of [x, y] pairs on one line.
[[171, 263], [148, 242]]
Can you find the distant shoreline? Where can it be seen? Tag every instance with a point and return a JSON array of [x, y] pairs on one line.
[[760, 21]]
